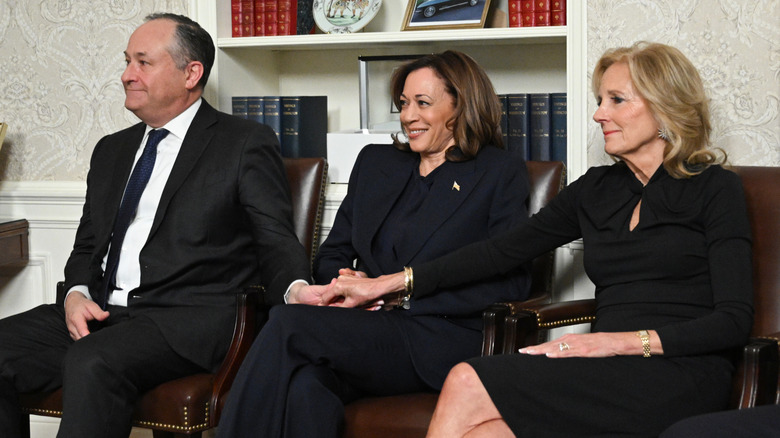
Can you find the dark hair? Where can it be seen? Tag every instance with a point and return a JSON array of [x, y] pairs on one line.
[[190, 43], [477, 113]]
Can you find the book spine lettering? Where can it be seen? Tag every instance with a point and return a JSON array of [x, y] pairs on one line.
[[540, 126], [255, 109], [518, 125], [239, 104], [304, 126], [272, 114]]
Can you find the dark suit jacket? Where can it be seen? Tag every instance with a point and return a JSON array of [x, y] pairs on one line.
[[492, 196], [224, 222]]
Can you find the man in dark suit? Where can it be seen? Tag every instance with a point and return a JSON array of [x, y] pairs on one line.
[[214, 216]]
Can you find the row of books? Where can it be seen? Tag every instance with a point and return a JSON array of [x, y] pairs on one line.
[[532, 13], [271, 17], [300, 122], [534, 125]]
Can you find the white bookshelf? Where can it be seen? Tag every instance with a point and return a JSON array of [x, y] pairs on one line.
[[538, 59]]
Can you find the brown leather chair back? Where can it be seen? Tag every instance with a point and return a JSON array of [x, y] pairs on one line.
[[307, 177], [546, 179], [762, 193]]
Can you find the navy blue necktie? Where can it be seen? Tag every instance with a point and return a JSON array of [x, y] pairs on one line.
[[135, 187]]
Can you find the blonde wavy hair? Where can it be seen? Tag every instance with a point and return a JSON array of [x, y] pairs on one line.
[[674, 92]]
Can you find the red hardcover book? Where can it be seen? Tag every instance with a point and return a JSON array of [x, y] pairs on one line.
[[513, 12], [288, 17], [527, 6], [259, 18], [271, 18], [235, 14], [558, 13], [247, 17]]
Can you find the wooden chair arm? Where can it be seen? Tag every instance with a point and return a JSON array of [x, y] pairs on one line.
[[526, 323], [759, 369], [493, 328], [249, 318]]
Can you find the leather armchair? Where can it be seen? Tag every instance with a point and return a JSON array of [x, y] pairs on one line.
[[187, 406], [756, 380], [408, 415]]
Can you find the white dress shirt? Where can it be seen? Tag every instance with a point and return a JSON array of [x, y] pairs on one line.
[[128, 273]]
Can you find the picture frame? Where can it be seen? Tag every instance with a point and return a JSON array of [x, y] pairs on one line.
[[375, 100], [445, 14]]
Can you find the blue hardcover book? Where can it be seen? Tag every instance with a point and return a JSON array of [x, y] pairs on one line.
[[255, 109], [272, 114], [540, 126], [558, 126], [518, 127], [239, 104], [305, 126], [503, 124]]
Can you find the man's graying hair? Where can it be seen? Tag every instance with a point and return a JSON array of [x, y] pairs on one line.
[[190, 43]]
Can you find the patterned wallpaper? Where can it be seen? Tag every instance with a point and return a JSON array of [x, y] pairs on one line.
[[59, 81], [60, 90], [735, 44]]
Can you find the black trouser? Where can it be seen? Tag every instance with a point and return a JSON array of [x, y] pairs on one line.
[[102, 374], [307, 363]]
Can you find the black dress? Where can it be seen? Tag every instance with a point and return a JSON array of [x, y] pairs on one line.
[[684, 271]]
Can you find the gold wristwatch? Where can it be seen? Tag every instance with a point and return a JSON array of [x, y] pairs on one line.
[[644, 336]]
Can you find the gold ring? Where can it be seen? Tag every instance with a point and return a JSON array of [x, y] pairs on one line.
[[563, 346]]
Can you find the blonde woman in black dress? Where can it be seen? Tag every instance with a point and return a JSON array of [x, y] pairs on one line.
[[667, 244]]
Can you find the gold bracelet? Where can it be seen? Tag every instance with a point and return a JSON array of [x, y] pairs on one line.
[[644, 336], [405, 297]]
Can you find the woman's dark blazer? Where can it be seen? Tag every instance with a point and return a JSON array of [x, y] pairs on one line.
[[469, 201]]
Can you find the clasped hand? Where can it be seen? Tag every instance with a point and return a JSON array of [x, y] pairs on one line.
[[351, 289]]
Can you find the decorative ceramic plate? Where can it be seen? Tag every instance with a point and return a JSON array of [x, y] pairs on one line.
[[344, 16]]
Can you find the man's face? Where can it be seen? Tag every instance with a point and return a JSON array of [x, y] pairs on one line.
[[155, 90]]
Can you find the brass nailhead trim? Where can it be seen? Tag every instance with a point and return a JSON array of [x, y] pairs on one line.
[[45, 412], [186, 428], [560, 323], [318, 218]]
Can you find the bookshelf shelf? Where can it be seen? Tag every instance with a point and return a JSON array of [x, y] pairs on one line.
[[525, 60], [463, 37]]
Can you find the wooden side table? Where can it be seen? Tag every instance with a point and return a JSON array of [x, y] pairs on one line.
[[13, 242]]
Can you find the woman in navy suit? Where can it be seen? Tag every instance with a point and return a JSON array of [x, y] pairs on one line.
[[445, 183]]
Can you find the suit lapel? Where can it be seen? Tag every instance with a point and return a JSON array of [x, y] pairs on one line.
[[452, 186], [372, 209], [195, 142]]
